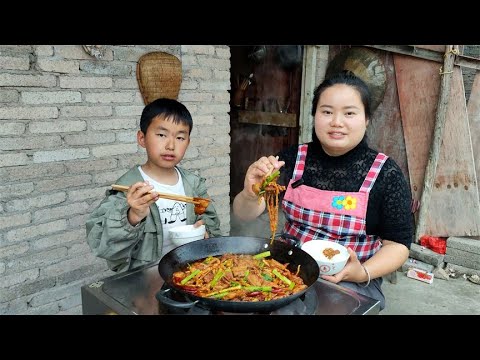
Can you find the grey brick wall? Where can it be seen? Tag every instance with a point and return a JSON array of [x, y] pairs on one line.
[[67, 130]]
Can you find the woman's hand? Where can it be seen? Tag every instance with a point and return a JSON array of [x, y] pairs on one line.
[[139, 199], [246, 206], [353, 271], [257, 170], [389, 258]]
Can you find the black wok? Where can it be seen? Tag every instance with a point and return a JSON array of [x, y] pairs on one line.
[[281, 251]]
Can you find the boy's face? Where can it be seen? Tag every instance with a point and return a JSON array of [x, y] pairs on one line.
[[165, 142]]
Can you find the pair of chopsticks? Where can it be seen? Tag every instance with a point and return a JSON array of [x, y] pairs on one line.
[[182, 198]]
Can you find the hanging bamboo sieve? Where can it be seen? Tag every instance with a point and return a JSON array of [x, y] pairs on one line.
[[159, 75]]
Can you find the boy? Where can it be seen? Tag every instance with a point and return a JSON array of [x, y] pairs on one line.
[[131, 229]]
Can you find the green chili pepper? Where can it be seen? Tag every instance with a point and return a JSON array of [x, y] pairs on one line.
[[258, 288], [218, 296], [208, 259], [224, 290], [262, 255], [187, 278], [269, 179], [267, 277], [287, 281], [217, 277]]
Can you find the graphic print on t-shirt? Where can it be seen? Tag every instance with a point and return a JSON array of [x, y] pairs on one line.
[[175, 213]]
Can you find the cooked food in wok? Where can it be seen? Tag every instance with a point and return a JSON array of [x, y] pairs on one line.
[[239, 277], [268, 189]]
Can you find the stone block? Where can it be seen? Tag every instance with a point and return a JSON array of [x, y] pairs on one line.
[[465, 244], [460, 270], [426, 255]]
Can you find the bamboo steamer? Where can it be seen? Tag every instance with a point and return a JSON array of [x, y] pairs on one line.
[[159, 75]]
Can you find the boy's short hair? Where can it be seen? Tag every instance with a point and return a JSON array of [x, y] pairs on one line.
[[167, 108]]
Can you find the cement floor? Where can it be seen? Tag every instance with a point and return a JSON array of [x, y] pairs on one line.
[[442, 297]]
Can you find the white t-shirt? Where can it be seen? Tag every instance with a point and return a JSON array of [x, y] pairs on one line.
[[173, 213]]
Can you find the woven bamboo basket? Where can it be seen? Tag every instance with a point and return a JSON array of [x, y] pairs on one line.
[[159, 75]]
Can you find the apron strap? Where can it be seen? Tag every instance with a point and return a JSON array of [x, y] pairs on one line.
[[373, 172], [300, 163]]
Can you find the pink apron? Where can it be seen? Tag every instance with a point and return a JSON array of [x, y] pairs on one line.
[[331, 215]]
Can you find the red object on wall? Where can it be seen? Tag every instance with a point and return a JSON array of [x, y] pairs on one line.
[[437, 244]]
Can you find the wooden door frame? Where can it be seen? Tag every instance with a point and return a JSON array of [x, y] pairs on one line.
[[309, 71]]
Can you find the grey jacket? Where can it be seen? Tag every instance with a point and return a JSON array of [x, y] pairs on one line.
[[112, 237]]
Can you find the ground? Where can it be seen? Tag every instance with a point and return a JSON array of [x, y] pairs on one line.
[[412, 297]]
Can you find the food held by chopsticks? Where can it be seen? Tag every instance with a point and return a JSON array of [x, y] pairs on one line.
[[268, 189], [201, 204]]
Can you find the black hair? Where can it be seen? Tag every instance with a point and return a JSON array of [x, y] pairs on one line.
[[348, 78], [168, 108]]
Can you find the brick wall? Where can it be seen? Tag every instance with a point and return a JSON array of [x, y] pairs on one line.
[[68, 125]]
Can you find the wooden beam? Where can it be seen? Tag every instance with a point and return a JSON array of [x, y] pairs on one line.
[[467, 61], [267, 118], [308, 86], [430, 171], [412, 50]]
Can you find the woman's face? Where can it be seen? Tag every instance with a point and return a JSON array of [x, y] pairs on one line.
[[340, 121]]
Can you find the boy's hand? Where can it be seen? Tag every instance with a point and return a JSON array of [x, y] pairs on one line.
[[139, 199], [200, 223]]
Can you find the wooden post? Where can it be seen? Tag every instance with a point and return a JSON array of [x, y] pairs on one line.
[[430, 171], [308, 86]]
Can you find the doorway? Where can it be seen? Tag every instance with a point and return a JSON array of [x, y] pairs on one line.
[[265, 98], [265, 94]]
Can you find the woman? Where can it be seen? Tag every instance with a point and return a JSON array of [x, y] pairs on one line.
[[341, 190]]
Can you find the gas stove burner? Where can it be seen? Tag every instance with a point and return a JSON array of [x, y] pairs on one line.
[[303, 305]]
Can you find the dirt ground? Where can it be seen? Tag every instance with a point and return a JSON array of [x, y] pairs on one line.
[[442, 297]]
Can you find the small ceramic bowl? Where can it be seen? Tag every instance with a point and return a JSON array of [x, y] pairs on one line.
[[186, 233], [327, 266]]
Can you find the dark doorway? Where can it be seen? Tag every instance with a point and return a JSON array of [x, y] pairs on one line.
[[264, 104]]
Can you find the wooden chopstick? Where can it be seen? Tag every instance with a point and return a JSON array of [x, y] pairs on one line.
[[162, 195]]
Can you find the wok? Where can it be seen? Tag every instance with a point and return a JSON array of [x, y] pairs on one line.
[[281, 251]]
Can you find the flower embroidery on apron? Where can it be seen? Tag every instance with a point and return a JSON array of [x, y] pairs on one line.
[[338, 216]]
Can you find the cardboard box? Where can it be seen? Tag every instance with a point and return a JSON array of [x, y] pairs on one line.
[[420, 275]]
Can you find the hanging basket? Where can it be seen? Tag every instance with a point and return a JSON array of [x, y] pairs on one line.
[[365, 64], [159, 75]]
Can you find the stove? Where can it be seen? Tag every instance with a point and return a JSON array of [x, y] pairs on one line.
[[136, 293], [303, 305]]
